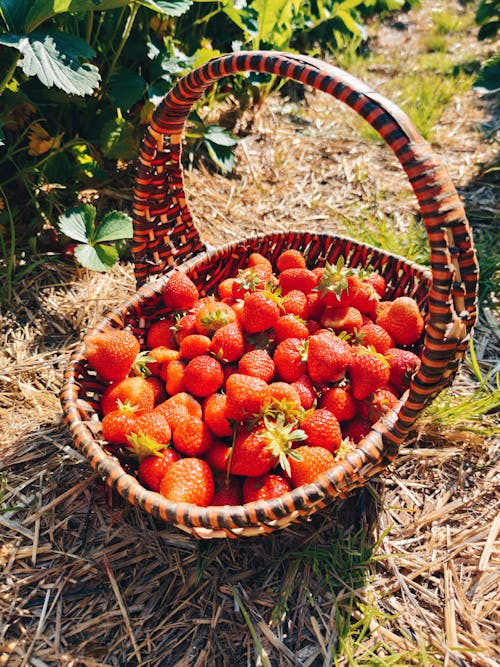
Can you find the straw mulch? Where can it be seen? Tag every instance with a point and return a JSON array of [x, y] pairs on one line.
[[413, 558]]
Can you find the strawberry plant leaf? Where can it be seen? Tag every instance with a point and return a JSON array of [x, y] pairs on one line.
[[119, 139], [41, 10], [78, 223], [96, 258], [114, 226], [169, 7], [54, 58], [222, 156], [218, 135], [126, 88]]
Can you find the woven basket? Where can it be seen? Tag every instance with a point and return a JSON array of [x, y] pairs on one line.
[[165, 237]]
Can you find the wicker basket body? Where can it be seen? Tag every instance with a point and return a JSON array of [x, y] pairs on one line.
[[165, 238]]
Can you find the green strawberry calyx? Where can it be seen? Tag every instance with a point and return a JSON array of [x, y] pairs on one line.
[[143, 445], [281, 438]]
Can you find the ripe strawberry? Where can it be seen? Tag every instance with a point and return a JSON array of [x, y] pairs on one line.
[[290, 259], [403, 321], [218, 456], [185, 326], [212, 316], [290, 326], [309, 464], [264, 487], [158, 388], [136, 390], [322, 429], [356, 429], [285, 392], [373, 335], [297, 279], [119, 423], [260, 312], [174, 377], [289, 359], [295, 303], [162, 333], [315, 307], [111, 353], [228, 491], [340, 401], [305, 390], [228, 343], [363, 296], [369, 371], [188, 480], [154, 424], [225, 288], [256, 259], [203, 376], [376, 405], [193, 345], [178, 406], [403, 365], [214, 415], [333, 284], [346, 319], [246, 396], [377, 281], [161, 355], [192, 437], [152, 469], [257, 363], [328, 357], [251, 279], [180, 293]]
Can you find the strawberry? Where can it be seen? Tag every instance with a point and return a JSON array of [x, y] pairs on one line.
[[185, 326], [305, 390], [297, 279], [283, 391], [340, 401], [363, 296], [403, 365], [289, 359], [290, 326], [257, 363], [180, 293], [309, 464], [119, 423], [178, 406], [174, 377], [328, 357], [193, 345], [111, 353], [214, 415], [228, 490], [260, 312], [136, 390], [356, 429], [219, 456], [228, 343], [158, 386], [290, 259], [188, 480], [152, 469], [333, 284], [376, 405], [203, 376], [373, 335], [162, 333], [249, 280], [346, 319], [225, 288], [257, 259], [192, 437], [403, 321], [295, 303], [212, 316], [264, 487], [155, 425], [322, 429], [377, 282], [246, 396], [369, 371]]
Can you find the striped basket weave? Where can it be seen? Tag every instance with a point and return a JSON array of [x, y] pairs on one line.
[[165, 237]]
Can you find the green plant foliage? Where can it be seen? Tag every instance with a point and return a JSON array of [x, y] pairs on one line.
[[488, 18], [488, 79]]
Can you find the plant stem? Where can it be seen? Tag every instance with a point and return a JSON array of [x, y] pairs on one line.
[[125, 35], [90, 25], [9, 252], [9, 74]]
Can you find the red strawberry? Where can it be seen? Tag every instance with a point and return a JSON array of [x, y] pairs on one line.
[[162, 333], [246, 396], [333, 284], [136, 390], [251, 279], [290, 259], [340, 401], [228, 491], [225, 288], [257, 259], [155, 425], [403, 365], [369, 371], [295, 303], [228, 343], [289, 359], [305, 390], [377, 282], [158, 388], [180, 293], [356, 429], [193, 345], [119, 423], [373, 335], [203, 376], [342, 319], [214, 415], [212, 316], [290, 326], [376, 405], [185, 326], [309, 464], [111, 353], [152, 469], [178, 406], [174, 377], [264, 487], [188, 480], [192, 437], [322, 429], [297, 279], [218, 456], [327, 357], [283, 391], [259, 313], [363, 296], [257, 363], [403, 320]]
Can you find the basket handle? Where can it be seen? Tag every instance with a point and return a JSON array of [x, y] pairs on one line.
[[165, 235]]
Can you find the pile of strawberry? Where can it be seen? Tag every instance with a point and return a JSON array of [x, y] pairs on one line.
[[248, 394]]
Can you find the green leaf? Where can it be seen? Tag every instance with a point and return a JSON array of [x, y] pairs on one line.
[[275, 21], [219, 135], [169, 7], [222, 156], [41, 10], [54, 58], [96, 258], [488, 79], [115, 226], [351, 25], [119, 139], [13, 13], [78, 223], [126, 88]]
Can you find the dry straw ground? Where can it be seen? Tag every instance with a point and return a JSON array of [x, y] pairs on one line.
[[404, 572]]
